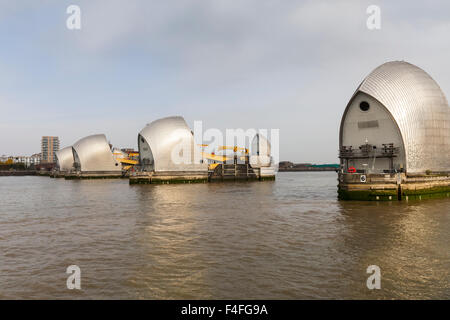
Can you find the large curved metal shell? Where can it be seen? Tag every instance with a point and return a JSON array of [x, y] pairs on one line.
[[260, 152], [64, 159], [260, 145], [93, 154], [419, 108], [168, 144]]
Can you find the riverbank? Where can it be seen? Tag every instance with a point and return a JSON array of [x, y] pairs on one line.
[[288, 166], [19, 173]]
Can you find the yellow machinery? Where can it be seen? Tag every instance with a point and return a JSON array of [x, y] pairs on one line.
[[235, 149], [129, 162], [223, 158], [132, 159], [133, 154]]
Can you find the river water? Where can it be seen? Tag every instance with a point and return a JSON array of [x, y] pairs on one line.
[[287, 239]]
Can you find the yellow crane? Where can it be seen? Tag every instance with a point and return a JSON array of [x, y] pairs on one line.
[[235, 149], [127, 163], [223, 158]]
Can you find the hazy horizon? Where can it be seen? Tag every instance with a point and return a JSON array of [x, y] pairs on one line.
[[290, 65]]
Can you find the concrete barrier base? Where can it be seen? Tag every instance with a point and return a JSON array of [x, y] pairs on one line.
[[389, 187]]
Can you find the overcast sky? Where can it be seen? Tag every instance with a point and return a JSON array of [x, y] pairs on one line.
[[290, 65]]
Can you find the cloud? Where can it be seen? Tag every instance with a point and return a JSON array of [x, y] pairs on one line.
[[291, 65]]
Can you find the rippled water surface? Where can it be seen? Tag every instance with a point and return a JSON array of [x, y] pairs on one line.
[[288, 239]]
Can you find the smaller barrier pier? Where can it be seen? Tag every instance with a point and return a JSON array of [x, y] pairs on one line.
[[216, 173]]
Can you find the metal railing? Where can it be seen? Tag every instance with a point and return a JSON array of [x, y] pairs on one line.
[[369, 151]]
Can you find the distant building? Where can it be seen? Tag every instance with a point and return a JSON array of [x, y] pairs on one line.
[[49, 146], [129, 150], [285, 164], [27, 161], [35, 159]]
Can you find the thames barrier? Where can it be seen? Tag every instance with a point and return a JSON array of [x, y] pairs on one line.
[[394, 141], [394, 144], [93, 157]]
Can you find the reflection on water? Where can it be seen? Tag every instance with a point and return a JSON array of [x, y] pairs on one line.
[[285, 239]]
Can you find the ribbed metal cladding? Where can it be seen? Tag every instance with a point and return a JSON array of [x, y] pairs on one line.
[[94, 154], [418, 105], [65, 159], [166, 137]]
